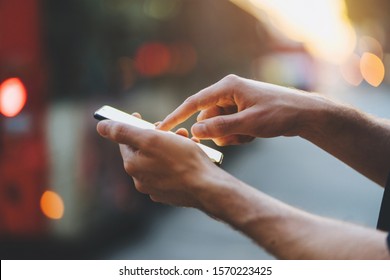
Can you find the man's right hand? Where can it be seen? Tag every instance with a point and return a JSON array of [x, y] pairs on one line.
[[236, 110]]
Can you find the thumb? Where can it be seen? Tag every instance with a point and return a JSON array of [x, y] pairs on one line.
[[219, 126]]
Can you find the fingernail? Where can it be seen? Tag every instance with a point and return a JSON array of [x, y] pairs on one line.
[[199, 130]]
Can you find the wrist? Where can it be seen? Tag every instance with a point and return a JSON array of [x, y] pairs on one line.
[[226, 198], [319, 115], [217, 192], [257, 215]]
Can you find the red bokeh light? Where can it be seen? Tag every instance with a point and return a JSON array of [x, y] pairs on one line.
[[152, 59], [13, 96]]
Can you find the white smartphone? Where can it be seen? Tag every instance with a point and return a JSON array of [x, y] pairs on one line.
[[108, 112]]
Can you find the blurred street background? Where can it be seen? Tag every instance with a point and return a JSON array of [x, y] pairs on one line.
[[63, 191]]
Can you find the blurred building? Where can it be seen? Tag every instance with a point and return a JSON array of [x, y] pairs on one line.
[[23, 105], [63, 191]]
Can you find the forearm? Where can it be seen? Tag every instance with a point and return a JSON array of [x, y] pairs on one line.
[[299, 235], [289, 233], [358, 139]]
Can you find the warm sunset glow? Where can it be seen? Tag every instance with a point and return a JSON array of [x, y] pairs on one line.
[[321, 25], [13, 97], [52, 205], [372, 69]]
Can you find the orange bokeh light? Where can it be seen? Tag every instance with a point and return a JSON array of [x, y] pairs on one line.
[[372, 69], [13, 97], [52, 205]]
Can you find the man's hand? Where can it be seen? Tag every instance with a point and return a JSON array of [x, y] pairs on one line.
[[166, 166], [172, 169], [236, 110]]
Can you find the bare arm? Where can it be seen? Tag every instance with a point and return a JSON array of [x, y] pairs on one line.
[[289, 233], [360, 140], [173, 170], [236, 110]]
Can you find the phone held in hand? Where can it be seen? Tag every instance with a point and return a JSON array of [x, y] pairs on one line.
[[110, 113]]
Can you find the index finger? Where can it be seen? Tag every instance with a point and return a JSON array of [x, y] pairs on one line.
[[202, 100]]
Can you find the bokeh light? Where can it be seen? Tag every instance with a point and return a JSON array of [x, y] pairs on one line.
[[372, 69], [52, 205], [13, 96], [386, 62], [370, 44], [152, 59], [350, 70]]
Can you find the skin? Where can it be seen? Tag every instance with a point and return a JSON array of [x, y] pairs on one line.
[[173, 170]]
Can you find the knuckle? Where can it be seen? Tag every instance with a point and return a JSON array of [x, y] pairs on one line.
[[140, 187], [221, 125], [201, 116], [224, 126], [155, 198], [150, 139], [118, 132], [189, 99], [231, 79], [192, 101], [129, 167]]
